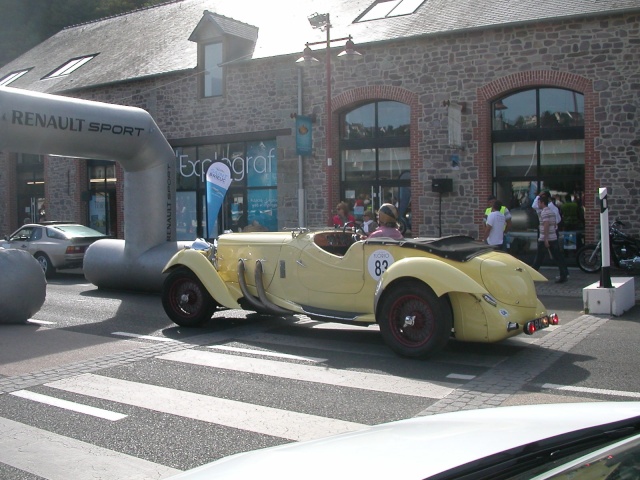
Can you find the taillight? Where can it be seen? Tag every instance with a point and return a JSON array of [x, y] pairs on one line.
[[71, 249], [554, 319], [530, 328]]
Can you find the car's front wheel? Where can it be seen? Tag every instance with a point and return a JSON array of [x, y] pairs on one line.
[[45, 262], [413, 321], [185, 300]]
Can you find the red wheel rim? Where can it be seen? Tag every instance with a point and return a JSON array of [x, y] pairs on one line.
[[412, 321]]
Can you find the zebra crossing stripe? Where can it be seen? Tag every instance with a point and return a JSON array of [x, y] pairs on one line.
[[144, 337], [40, 322], [570, 388], [67, 405], [266, 353], [230, 413], [310, 373], [56, 457], [319, 344]]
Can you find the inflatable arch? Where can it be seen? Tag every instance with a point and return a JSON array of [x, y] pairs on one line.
[[46, 124]]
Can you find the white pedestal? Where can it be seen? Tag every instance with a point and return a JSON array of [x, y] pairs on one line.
[[610, 301]]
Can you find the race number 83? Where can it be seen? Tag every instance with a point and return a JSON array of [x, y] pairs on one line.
[[378, 263]]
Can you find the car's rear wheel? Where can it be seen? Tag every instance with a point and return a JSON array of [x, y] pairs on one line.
[[185, 300], [45, 262], [413, 321]]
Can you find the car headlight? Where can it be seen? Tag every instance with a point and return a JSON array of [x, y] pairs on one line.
[[201, 245]]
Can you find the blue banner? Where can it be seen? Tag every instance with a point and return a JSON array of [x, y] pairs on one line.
[[218, 181], [303, 136]]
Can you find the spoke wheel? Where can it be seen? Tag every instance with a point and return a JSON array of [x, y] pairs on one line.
[[588, 259], [414, 322], [185, 300]]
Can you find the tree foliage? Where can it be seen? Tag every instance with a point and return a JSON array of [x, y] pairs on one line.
[[26, 23]]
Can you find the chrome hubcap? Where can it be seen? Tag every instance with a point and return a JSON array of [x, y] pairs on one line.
[[409, 321]]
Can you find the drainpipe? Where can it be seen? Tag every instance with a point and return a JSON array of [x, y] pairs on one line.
[[301, 194]]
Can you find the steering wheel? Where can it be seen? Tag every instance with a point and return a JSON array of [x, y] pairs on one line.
[[347, 224], [358, 235]]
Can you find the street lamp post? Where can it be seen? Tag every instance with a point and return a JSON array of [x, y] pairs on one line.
[[322, 21]]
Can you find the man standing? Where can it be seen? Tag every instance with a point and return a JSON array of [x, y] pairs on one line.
[[495, 226], [504, 211], [536, 205], [548, 240]]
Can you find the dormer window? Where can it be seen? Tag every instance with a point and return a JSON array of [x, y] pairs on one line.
[[221, 41], [70, 66], [7, 79], [390, 8]]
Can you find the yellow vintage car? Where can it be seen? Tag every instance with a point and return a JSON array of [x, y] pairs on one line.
[[421, 292]]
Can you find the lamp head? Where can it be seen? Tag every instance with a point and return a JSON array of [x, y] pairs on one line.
[[349, 52], [307, 58]]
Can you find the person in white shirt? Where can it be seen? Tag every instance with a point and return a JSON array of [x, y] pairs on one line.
[[548, 241], [504, 211], [495, 225], [368, 224], [537, 206]]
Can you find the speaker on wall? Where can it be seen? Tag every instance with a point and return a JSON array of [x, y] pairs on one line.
[[442, 185]]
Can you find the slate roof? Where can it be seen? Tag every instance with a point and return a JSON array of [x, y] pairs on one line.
[[230, 26], [155, 41]]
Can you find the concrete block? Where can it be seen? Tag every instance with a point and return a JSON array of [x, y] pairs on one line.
[[610, 301]]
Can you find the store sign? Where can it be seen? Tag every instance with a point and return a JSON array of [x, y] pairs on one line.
[[259, 166]]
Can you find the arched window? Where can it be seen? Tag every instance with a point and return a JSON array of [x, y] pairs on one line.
[[375, 160], [538, 143]]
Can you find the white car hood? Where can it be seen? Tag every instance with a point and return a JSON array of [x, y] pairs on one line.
[[416, 448]]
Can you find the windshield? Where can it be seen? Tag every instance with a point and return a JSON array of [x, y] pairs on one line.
[[605, 452], [77, 231]]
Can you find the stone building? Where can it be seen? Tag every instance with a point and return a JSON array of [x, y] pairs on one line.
[[448, 103]]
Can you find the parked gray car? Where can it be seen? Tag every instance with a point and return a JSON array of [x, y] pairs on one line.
[[56, 245]]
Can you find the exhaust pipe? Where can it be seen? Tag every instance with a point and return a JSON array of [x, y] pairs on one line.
[[263, 295]]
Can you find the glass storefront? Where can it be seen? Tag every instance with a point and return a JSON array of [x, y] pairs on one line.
[[102, 196], [251, 202], [538, 143], [375, 159], [30, 176]]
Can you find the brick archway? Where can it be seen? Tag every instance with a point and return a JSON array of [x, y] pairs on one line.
[[532, 79], [360, 95]]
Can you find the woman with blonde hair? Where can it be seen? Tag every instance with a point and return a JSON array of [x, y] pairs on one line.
[[388, 223]]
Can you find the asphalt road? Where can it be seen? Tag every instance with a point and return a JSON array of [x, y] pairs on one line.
[[102, 381]]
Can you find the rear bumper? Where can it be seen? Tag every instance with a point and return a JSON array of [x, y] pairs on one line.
[[71, 261]]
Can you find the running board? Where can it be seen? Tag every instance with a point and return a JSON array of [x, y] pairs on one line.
[[330, 315]]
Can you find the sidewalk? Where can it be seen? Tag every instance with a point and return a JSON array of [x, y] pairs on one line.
[[577, 281]]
